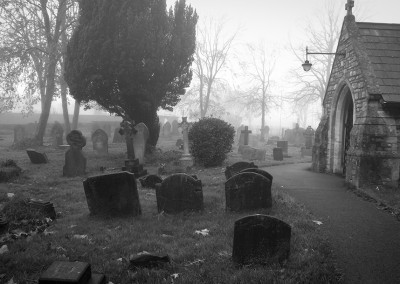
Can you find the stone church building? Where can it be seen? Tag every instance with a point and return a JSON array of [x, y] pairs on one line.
[[359, 133]]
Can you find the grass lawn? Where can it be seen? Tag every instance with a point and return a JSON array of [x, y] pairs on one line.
[[107, 244]]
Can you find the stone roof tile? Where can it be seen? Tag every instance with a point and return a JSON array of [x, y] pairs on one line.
[[382, 42]]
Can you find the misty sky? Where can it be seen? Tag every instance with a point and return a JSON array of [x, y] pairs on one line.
[[278, 22]]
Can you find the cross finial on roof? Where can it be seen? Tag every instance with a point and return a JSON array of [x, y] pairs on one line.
[[349, 7]]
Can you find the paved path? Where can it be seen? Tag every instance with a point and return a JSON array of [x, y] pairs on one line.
[[366, 240]]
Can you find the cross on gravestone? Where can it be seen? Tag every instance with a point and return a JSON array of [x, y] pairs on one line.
[[246, 133], [349, 7]]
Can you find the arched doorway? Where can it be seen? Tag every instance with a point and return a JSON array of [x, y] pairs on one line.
[[342, 122]]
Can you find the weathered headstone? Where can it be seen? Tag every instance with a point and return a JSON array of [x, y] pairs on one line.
[[19, 133], [261, 239], [248, 191], [232, 170], [244, 136], [75, 161], [44, 207], [36, 157], [60, 272], [264, 133], [118, 138], [112, 194], [150, 181], [57, 132], [100, 141], [285, 147], [140, 140], [258, 171], [175, 127], [167, 129], [277, 154], [179, 192]]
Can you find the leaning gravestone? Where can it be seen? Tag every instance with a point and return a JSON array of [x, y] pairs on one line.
[[247, 191], [140, 140], [57, 133], [19, 133], [175, 127], [167, 129], [100, 142], [75, 161], [36, 157], [118, 138], [60, 272], [261, 239], [179, 192], [112, 194], [230, 171]]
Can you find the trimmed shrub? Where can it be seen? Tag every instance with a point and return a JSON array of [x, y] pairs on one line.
[[210, 141]]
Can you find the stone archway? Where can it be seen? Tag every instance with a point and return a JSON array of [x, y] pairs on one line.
[[342, 120]]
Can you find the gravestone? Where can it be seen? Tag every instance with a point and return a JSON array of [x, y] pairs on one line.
[[175, 127], [251, 154], [57, 133], [118, 138], [244, 136], [167, 129], [100, 142], [19, 133], [247, 191], [9, 170], [261, 239], [60, 272], [112, 194], [277, 154], [232, 170], [150, 181], [75, 161], [44, 207], [36, 157], [258, 171], [285, 147], [186, 160], [179, 192], [309, 137], [264, 133], [139, 141]]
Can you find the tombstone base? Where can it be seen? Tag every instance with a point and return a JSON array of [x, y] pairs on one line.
[[186, 161]]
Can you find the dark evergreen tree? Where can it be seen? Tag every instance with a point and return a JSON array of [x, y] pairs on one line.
[[132, 57]]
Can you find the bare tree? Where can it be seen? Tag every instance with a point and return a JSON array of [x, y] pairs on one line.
[[258, 71], [213, 48], [30, 52], [323, 36]]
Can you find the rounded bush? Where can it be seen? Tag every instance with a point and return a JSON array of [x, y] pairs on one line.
[[210, 140]]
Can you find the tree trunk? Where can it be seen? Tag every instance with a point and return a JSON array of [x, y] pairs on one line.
[[262, 138], [76, 115], [63, 84]]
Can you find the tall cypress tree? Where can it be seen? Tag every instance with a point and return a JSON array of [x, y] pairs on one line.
[[132, 57]]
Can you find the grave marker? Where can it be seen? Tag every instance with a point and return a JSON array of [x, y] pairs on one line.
[[36, 157], [285, 147], [100, 142], [75, 161], [247, 191], [246, 133], [167, 129], [261, 239], [112, 194], [232, 170], [278, 154], [175, 127], [179, 192]]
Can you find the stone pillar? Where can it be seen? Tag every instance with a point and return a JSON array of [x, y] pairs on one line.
[[186, 160]]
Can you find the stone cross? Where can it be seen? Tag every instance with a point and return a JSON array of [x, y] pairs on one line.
[[186, 160], [129, 130], [349, 7], [246, 133]]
